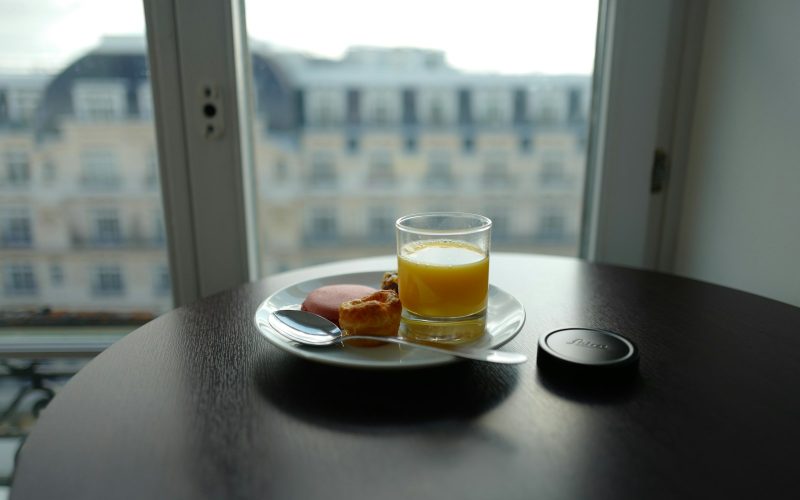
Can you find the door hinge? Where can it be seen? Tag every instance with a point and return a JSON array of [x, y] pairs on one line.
[[660, 173]]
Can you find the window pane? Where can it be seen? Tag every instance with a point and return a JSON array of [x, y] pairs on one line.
[[361, 118], [81, 225]]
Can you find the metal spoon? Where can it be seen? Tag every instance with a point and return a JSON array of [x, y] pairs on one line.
[[311, 329]]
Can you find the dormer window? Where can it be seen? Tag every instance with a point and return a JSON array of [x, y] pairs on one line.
[[380, 113], [21, 103], [381, 106], [325, 107], [494, 106], [438, 106], [99, 100], [437, 112]]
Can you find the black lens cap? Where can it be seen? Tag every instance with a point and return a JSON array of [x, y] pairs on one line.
[[587, 352]]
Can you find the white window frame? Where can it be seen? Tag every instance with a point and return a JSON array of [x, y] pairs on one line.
[[497, 170], [13, 269], [56, 274], [195, 48], [322, 171], [100, 169], [12, 222], [162, 282], [502, 221], [22, 103], [439, 172], [643, 86], [380, 169], [144, 98], [545, 225], [106, 227], [380, 224], [18, 168], [317, 219], [87, 92], [101, 274]]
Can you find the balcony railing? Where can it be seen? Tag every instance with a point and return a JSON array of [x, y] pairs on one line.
[[501, 240], [108, 291], [12, 243], [101, 183], [468, 128], [23, 291], [125, 242]]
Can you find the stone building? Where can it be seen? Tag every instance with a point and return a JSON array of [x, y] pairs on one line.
[[343, 147]]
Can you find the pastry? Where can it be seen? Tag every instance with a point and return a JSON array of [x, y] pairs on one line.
[[374, 314], [326, 300], [389, 281]]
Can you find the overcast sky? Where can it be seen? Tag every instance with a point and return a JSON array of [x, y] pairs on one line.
[[520, 36]]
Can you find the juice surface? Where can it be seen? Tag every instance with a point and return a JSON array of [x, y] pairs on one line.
[[443, 278]]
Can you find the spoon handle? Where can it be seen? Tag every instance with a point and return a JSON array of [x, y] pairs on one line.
[[487, 355]]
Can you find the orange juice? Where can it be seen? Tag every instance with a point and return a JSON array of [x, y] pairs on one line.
[[443, 278]]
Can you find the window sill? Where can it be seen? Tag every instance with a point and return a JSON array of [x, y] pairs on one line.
[[59, 342]]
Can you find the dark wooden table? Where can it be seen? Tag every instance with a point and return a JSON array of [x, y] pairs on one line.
[[197, 404]]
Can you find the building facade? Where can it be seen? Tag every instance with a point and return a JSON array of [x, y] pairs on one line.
[[343, 148]]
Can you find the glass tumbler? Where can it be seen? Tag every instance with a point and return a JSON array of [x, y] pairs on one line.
[[443, 275]]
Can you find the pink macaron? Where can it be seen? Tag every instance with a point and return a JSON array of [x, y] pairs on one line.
[[326, 300]]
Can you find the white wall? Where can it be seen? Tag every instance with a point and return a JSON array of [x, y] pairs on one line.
[[740, 220]]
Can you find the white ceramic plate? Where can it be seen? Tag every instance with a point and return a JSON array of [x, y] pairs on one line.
[[504, 319]]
